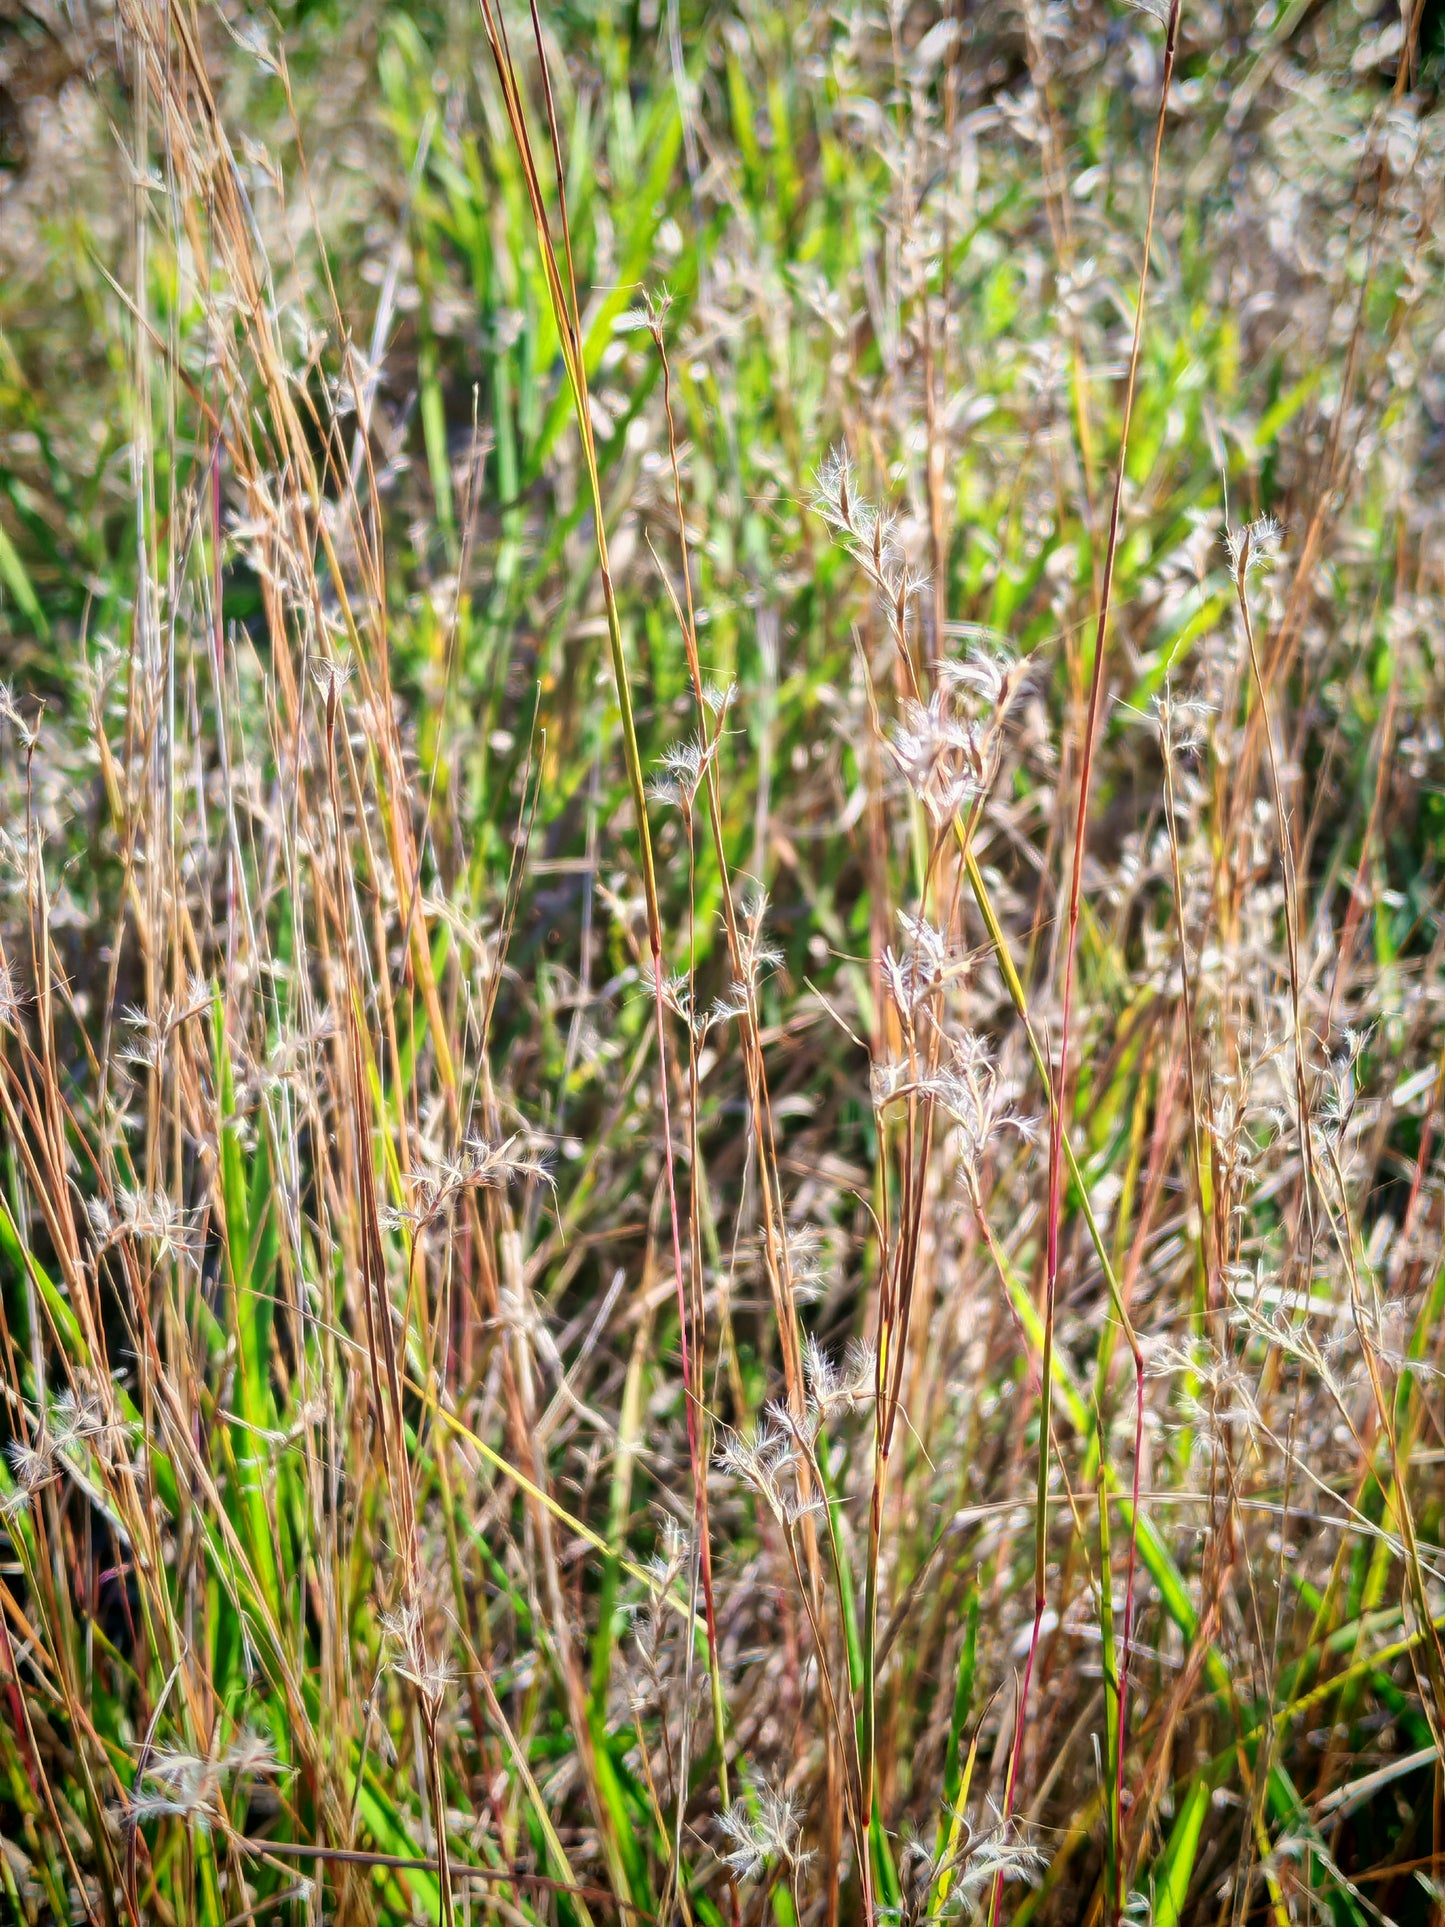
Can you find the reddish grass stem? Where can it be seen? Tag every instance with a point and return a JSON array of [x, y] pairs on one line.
[[1059, 1108]]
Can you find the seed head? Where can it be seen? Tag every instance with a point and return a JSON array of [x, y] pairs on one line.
[[1255, 546], [763, 1831], [33, 1465]]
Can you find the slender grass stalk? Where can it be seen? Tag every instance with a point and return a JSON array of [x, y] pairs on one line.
[[774, 1222], [1058, 1104], [1286, 857], [568, 319], [1113, 1733], [1186, 992]]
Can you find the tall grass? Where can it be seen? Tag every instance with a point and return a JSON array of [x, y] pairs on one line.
[[721, 1050]]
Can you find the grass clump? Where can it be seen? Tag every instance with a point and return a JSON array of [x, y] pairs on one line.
[[721, 1051]]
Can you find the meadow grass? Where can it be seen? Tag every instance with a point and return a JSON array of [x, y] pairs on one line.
[[721, 1024]]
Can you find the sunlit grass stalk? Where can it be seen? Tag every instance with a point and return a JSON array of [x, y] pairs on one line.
[[774, 1223], [1018, 997], [567, 315], [1287, 863], [1114, 1869], [1202, 1198], [1058, 1103]]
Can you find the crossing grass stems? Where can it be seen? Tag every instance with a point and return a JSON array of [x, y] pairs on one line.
[[636, 936]]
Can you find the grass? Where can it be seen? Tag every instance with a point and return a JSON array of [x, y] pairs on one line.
[[720, 1042]]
